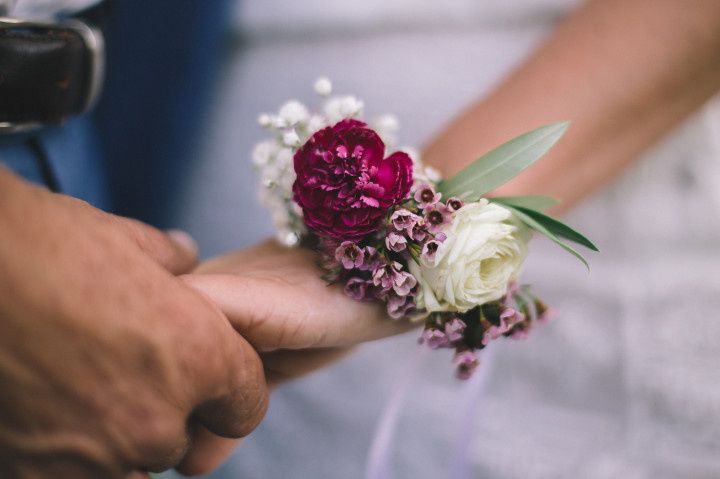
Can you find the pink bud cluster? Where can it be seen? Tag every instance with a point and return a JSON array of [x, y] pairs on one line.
[[467, 333], [375, 266]]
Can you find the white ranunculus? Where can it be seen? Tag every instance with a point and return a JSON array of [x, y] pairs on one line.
[[484, 250]]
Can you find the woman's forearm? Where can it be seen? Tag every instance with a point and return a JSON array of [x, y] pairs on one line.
[[624, 72]]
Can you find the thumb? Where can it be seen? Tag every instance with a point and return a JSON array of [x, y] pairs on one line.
[[174, 250]]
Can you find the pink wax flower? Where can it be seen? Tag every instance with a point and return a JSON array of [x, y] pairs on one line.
[[466, 362], [383, 276], [437, 216], [403, 283], [426, 196], [404, 220], [343, 185], [371, 259], [433, 338], [508, 318], [454, 329], [399, 306], [391, 277], [429, 250], [454, 204], [350, 255], [356, 288], [395, 242]]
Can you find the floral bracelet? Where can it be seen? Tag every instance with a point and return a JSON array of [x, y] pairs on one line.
[[389, 229]]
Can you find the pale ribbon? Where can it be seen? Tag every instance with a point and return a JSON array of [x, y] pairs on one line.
[[379, 463]]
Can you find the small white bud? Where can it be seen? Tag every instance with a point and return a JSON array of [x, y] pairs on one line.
[[388, 123], [340, 107], [433, 174], [265, 120], [351, 106], [264, 152], [315, 123], [323, 86], [293, 112], [291, 138], [284, 158]]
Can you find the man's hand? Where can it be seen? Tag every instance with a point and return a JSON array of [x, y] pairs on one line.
[[274, 296], [104, 354]]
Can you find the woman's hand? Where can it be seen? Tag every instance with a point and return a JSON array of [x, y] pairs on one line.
[[275, 297]]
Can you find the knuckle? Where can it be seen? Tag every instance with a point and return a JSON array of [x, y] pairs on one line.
[[162, 441], [253, 396]]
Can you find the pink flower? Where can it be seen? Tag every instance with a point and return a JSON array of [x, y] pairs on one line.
[[429, 250], [383, 276], [350, 255], [426, 196], [434, 338], [343, 185], [356, 288], [371, 259], [418, 232], [454, 204], [395, 242], [466, 362], [403, 283], [404, 220], [436, 217], [398, 307], [390, 276], [509, 317], [454, 329]]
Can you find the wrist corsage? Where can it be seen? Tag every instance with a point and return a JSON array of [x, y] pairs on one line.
[[389, 229]]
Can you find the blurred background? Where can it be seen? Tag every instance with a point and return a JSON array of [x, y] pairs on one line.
[[626, 383]]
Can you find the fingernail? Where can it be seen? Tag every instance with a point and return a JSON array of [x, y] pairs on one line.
[[183, 239]]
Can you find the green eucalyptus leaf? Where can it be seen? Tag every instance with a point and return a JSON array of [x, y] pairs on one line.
[[558, 228], [532, 202], [532, 223], [500, 165]]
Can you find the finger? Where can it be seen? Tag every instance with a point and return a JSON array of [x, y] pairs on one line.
[[207, 453], [175, 250], [272, 314], [285, 364], [239, 399]]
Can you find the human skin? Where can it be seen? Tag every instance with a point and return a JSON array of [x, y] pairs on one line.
[[106, 356], [296, 321], [624, 72]]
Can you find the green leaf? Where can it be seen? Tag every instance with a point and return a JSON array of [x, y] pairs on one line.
[[532, 223], [532, 202], [556, 227], [500, 165]]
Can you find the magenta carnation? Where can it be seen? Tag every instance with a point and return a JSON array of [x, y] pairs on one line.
[[343, 185]]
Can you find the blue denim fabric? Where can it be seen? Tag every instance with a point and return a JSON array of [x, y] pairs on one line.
[[163, 62], [73, 155], [132, 153]]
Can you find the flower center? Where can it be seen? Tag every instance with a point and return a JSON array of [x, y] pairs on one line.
[[351, 252], [455, 204], [426, 195], [435, 217]]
